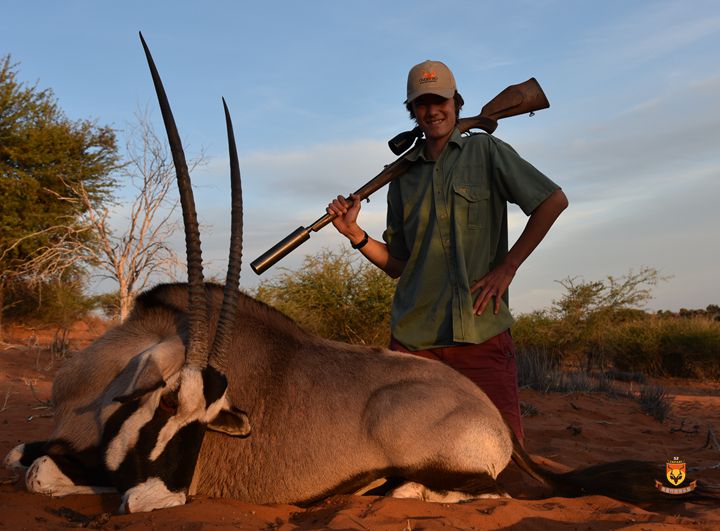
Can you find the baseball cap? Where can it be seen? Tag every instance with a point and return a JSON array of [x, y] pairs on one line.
[[430, 77]]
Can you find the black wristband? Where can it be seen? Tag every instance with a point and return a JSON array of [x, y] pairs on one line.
[[361, 243]]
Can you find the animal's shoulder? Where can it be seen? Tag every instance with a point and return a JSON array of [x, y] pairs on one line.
[[172, 297]]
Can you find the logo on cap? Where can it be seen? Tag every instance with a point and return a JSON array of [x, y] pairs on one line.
[[428, 77]]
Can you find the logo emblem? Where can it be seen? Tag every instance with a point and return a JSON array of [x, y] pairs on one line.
[[675, 471], [428, 76], [675, 475]]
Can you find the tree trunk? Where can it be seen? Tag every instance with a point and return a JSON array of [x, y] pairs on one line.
[[124, 296]]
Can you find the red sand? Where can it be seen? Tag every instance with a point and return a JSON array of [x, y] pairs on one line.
[[574, 430]]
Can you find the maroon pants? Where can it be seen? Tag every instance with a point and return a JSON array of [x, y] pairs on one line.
[[490, 365]]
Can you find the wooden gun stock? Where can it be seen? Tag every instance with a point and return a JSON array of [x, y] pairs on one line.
[[517, 99]]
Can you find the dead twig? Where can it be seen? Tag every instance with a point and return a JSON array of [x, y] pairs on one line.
[[44, 404], [10, 481], [695, 430], [8, 392], [43, 416]]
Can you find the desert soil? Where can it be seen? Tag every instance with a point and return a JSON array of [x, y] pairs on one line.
[[568, 429]]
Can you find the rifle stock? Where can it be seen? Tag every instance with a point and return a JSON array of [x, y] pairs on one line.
[[522, 98]]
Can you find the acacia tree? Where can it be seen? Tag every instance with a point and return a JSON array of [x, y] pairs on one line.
[[138, 251], [44, 158]]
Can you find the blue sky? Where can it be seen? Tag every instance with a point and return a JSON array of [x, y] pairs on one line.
[[316, 89]]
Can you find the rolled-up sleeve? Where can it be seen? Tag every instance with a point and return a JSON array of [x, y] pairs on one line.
[[517, 180]]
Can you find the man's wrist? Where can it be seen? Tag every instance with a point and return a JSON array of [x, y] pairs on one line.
[[362, 242], [356, 236]]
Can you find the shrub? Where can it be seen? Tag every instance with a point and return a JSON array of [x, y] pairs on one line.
[[573, 329], [58, 302], [667, 346], [537, 370], [654, 402], [338, 295]]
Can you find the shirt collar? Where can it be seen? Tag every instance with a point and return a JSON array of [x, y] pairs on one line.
[[418, 152]]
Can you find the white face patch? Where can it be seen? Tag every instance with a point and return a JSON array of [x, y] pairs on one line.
[[150, 495], [44, 477], [191, 408]]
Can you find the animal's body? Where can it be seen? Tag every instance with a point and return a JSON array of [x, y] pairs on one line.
[[325, 416]]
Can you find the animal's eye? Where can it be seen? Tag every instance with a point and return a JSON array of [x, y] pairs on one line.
[[169, 403]]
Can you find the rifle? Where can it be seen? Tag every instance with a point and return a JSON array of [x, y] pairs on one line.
[[522, 98]]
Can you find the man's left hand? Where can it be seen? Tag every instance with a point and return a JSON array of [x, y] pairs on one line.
[[492, 285]]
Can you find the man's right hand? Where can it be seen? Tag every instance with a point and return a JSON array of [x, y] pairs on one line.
[[346, 215]]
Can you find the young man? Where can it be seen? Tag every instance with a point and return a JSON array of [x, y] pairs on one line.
[[446, 240]]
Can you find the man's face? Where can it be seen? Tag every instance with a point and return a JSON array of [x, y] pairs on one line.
[[435, 115]]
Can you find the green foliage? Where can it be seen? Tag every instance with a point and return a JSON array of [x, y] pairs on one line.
[[599, 324], [338, 295], [712, 311], [44, 156], [667, 346], [41, 153], [58, 302]]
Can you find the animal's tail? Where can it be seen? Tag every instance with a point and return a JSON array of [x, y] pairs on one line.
[[628, 480]]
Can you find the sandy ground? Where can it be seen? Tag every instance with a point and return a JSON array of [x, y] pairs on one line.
[[574, 430]]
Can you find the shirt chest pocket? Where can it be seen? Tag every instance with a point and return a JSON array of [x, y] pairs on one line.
[[471, 204]]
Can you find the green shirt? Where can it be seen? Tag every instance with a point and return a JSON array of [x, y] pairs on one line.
[[448, 220]]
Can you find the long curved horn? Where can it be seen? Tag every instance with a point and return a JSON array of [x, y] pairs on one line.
[[196, 354], [218, 353]]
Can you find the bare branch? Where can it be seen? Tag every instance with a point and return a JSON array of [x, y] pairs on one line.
[[141, 250]]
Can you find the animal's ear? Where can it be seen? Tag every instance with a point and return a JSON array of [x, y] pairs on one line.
[[234, 422]]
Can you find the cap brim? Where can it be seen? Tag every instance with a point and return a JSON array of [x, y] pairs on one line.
[[443, 93]]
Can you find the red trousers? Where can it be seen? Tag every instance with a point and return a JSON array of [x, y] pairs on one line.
[[490, 365]]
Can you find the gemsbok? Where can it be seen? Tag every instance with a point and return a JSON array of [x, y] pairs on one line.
[[270, 413]]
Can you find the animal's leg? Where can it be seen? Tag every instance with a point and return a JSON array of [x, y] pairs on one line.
[[418, 491], [444, 440], [45, 477]]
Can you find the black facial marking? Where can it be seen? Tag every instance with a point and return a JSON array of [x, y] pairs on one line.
[[84, 467], [214, 384], [32, 451]]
